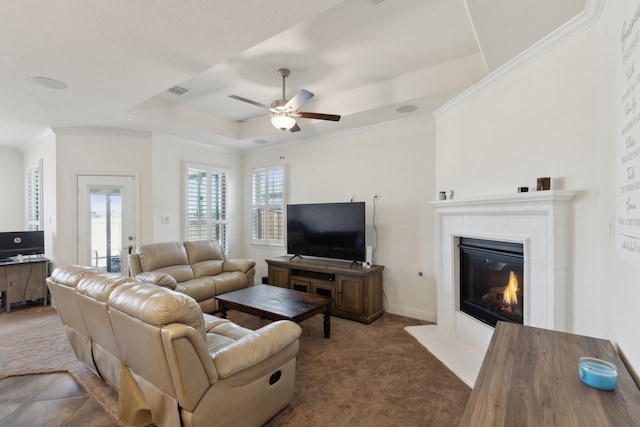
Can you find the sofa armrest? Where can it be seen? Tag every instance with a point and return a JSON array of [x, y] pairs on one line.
[[256, 347], [158, 278], [242, 265]]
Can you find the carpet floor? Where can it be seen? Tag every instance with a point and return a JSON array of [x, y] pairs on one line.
[[364, 375]]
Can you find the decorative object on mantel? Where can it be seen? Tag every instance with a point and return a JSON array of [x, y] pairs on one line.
[[450, 194], [523, 189], [544, 183], [442, 195]]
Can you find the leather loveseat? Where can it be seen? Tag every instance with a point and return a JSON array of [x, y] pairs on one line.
[[197, 268], [171, 364]]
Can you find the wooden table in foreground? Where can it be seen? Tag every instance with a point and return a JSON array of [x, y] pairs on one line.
[[529, 377], [274, 303]]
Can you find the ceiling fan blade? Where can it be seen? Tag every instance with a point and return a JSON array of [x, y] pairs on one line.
[[319, 116], [248, 119], [239, 98], [299, 100], [295, 128]]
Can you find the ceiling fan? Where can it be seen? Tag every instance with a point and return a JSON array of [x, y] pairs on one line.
[[285, 112]]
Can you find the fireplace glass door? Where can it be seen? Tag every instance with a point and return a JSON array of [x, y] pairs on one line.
[[491, 280]]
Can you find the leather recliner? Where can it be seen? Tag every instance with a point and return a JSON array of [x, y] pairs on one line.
[[171, 364], [62, 284], [197, 268], [193, 374], [80, 296]]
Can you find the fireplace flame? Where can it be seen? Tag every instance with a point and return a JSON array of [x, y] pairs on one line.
[[509, 296]]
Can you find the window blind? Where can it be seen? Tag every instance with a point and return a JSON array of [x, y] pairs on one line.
[[268, 206], [206, 204], [33, 197]]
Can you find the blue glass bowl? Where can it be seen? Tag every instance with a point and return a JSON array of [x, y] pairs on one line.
[[597, 373]]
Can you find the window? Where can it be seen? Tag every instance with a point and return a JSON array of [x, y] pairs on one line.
[[33, 197], [268, 206], [206, 204]]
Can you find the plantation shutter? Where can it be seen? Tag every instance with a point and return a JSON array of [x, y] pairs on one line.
[[206, 204], [268, 206], [33, 197]]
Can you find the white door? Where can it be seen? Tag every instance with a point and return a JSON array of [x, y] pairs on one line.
[[107, 213]]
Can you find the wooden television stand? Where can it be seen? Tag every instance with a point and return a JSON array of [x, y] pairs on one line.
[[356, 289]]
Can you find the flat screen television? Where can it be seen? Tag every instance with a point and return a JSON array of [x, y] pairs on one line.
[[327, 230], [14, 243]]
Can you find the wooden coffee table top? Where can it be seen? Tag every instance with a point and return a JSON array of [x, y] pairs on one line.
[[274, 302]]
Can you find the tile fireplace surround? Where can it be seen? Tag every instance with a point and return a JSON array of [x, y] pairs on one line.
[[539, 220]]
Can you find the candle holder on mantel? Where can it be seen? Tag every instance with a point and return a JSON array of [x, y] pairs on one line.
[[544, 183]]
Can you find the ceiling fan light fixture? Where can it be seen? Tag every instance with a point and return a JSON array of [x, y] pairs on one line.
[[283, 122]]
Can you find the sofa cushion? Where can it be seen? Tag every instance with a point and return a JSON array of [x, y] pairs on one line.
[[100, 285], [198, 289], [71, 275], [243, 265], [158, 278], [157, 306], [216, 342], [167, 257], [228, 282], [205, 256]]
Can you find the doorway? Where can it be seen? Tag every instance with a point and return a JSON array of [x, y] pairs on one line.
[[107, 218]]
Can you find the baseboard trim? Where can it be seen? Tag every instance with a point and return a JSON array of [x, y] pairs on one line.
[[412, 312]]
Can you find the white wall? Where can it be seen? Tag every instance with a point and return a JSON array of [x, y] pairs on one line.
[[169, 153], [395, 160], [554, 117], [618, 280], [99, 151], [12, 193], [539, 120], [44, 148]]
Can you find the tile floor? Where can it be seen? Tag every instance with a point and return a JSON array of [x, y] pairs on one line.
[[50, 400]]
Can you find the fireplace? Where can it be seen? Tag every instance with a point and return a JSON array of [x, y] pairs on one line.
[[492, 280], [539, 223], [537, 220]]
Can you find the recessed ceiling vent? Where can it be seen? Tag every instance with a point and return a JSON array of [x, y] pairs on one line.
[[178, 90]]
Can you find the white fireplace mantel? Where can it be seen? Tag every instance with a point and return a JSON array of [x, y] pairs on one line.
[[540, 221]]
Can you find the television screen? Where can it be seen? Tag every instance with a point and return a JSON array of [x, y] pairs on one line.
[[327, 230], [14, 243]]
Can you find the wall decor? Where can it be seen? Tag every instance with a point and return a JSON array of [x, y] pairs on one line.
[[627, 222]]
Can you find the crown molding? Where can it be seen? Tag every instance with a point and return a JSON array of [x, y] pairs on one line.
[[99, 131], [589, 16]]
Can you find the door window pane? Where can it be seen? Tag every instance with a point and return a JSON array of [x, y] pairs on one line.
[[106, 229]]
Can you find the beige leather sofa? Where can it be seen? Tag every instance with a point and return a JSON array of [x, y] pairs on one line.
[[196, 268], [80, 295], [171, 364]]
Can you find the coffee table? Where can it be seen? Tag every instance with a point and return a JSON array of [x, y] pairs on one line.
[[276, 303]]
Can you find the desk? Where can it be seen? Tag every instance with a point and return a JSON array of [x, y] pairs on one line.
[[23, 281], [529, 377]]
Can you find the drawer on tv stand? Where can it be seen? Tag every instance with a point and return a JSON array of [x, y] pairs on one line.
[[313, 275]]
